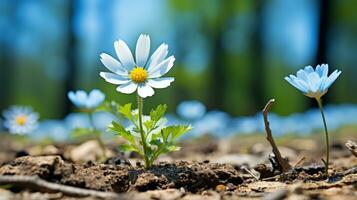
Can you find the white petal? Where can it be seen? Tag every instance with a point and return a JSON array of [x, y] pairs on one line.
[[145, 90], [304, 87], [301, 74], [322, 70], [124, 54], [95, 98], [309, 69], [314, 82], [162, 68], [160, 82], [112, 64], [142, 50], [114, 78], [78, 98], [158, 56], [331, 79], [127, 88], [325, 69], [293, 81], [70, 95]]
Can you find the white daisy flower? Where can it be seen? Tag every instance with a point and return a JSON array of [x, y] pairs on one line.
[[20, 120], [142, 74]]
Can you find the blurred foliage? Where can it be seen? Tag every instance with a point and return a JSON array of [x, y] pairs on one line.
[[238, 70]]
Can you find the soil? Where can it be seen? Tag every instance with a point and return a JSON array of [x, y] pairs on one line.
[[215, 170], [193, 177]]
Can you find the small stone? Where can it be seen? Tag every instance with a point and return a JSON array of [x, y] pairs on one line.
[[88, 151], [6, 195], [277, 195], [221, 188], [50, 150]]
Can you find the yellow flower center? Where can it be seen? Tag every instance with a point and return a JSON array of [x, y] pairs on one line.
[[138, 75], [21, 120]]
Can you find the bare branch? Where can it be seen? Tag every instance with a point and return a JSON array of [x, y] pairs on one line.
[[35, 182], [284, 164]]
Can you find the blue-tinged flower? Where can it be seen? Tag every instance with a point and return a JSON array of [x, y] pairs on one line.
[[142, 74], [53, 129], [87, 101], [20, 120], [191, 110], [77, 120], [214, 122], [313, 83]]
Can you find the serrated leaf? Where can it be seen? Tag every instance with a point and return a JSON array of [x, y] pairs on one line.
[[120, 130], [130, 148], [180, 130], [149, 124], [173, 148], [174, 131], [126, 111], [156, 136], [156, 142], [158, 113]]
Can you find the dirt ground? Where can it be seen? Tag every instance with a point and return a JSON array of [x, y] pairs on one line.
[[205, 168]]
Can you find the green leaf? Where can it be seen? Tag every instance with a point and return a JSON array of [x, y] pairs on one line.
[[173, 148], [120, 130], [174, 131], [130, 147], [126, 111], [156, 142], [180, 130], [158, 113], [149, 125]]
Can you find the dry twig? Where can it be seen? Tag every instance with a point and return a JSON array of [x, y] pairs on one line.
[[300, 161], [251, 173], [352, 146], [37, 183], [284, 164]]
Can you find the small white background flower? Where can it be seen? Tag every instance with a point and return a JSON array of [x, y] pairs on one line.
[[20, 120], [88, 101], [191, 110], [142, 74]]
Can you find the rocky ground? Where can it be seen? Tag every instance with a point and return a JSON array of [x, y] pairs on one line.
[[205, 168]]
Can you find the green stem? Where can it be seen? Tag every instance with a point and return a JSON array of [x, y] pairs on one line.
[[96, 134], [143, 137], [326, 134]]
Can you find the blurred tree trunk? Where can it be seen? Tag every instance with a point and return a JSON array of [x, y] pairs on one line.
[[71, 56], [324, 24], [218, 74], [7, 54], [218, 77], [257, 81]]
